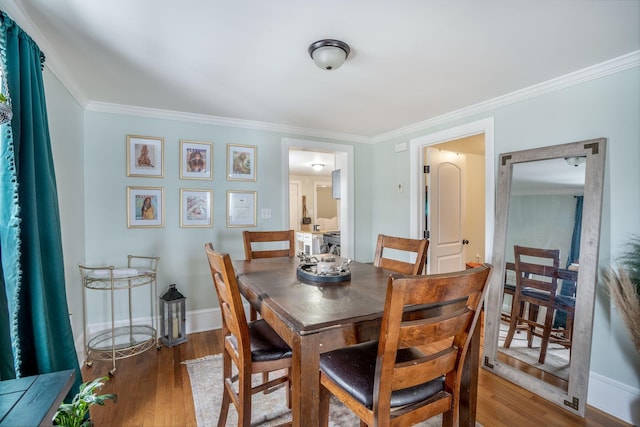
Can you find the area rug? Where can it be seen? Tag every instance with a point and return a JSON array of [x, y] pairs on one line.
[[267, 409], [556, 361]]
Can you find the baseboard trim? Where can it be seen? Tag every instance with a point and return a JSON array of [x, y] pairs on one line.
[[616, 399]]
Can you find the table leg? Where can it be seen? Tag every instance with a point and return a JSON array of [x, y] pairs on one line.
[[309, 380]]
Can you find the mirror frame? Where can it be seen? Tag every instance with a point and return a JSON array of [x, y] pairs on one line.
[[575, 398]]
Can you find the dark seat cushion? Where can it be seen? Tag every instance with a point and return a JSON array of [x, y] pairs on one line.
[[353, 369], [266, 344]]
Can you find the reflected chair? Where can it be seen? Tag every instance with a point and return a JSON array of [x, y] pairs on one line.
[[414, 370], [270, 246], [388, 244], [537, 286], [253, 347]]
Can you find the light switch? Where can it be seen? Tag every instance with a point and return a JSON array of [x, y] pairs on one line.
[[265, 213]]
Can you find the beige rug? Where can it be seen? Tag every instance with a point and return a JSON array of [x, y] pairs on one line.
[[267, 410], [556, 362]]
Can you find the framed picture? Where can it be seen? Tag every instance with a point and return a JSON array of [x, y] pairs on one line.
[[145, 156], [241, 162], [195, 160], [241, 208], [145, 207], [195, 207]]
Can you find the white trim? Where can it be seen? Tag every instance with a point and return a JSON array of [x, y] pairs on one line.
[[614, 398], [105, 107], [593, 72], [416, 145], [59, 69]]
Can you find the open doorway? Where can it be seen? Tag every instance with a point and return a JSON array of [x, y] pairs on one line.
[[468, 234], [304, 190]]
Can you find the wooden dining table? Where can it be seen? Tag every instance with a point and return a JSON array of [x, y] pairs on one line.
[[315, 317]]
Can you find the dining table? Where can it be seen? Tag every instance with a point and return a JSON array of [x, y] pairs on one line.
[[314, 317]]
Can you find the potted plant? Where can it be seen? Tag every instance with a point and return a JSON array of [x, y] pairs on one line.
[[76, 413], [623, 284]]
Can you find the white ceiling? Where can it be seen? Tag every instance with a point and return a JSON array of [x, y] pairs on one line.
[[247, 59]]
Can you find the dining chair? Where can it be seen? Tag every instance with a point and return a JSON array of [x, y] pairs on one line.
[[252, 347], [537, 286], [413, 371], [265, 242], [392, 244]]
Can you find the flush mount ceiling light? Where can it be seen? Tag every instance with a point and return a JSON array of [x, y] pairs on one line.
[[329, 54], [576, 160], [317, 166]]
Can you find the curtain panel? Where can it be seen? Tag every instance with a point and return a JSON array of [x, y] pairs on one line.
[[36, 332]]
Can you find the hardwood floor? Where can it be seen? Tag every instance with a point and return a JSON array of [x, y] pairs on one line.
[[153, 390]]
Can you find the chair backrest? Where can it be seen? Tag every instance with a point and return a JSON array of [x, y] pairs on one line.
[[452, 328], [250, 237], [417, 246], [235, 329], [537, 273]]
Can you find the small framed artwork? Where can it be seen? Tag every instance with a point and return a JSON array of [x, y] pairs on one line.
[[195, 160], [195, 207], [145, 207], [241, 162], [241, 208], [145, 156]]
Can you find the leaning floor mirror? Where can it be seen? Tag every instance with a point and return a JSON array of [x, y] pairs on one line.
[[539, 310]]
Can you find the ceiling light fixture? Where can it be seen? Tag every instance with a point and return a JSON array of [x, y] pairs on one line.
[[576, 160], [317, 166], [329, 54]]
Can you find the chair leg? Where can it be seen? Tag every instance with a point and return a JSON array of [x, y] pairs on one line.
[[533, 317], [244, 399], [226, 398], [546, 334], [513, 323], [447, 419]]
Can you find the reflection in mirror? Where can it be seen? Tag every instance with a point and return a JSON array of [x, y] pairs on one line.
[[540, 305], [546, 196]]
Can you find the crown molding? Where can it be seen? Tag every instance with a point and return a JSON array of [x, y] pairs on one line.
[[593, 72], [105, 107], [58, 68]]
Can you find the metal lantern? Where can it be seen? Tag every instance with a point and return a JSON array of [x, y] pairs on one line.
[[172, 317]]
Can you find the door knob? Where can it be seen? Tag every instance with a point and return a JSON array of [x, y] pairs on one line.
[[465, 242]]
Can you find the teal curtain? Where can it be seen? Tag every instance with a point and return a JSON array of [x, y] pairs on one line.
[[34, 311]]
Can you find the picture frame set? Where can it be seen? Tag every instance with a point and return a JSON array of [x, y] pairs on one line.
[[196, 207], [145, 205], [241, 162], [241, 208], [196, 160]]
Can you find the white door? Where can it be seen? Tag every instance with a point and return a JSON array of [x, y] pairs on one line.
[[445, 204], [295, 205]]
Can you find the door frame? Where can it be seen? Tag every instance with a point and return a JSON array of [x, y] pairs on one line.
[[416, 176], [344, 162]]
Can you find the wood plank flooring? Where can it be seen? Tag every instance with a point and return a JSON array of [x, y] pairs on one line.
[[154, 391]]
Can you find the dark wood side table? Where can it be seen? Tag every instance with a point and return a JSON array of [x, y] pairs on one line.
[[33, 401]]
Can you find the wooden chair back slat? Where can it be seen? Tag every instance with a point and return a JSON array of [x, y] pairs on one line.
[[417, 246], [285, 236]]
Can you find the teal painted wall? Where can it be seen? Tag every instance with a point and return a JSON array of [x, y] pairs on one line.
[[606, 107], [182, 260], [66, 128]]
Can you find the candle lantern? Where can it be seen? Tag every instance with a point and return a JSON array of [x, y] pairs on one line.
[[172, 317]]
